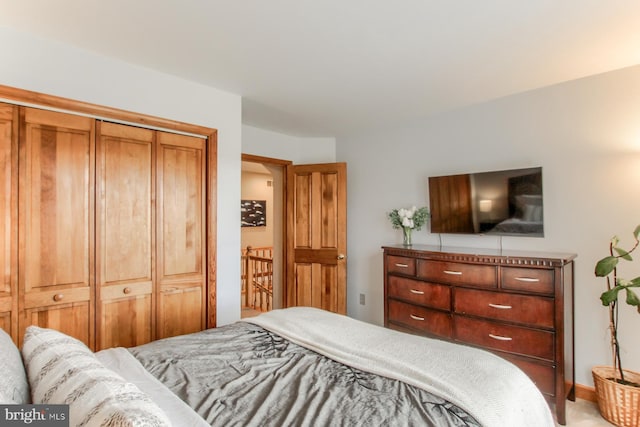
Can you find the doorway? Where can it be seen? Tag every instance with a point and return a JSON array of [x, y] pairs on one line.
[[262, 234]]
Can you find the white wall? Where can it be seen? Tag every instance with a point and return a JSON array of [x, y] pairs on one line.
[[52, 68], [586, 136], [299, 150]]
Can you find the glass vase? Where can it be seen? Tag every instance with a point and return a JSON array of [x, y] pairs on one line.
[[406, 236]]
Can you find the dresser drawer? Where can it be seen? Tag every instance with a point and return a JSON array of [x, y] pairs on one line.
[[528, 279], [498, 336], [432, 322], [542, 375], [528, 310], [421, 293], [483, 276], [400, 264]]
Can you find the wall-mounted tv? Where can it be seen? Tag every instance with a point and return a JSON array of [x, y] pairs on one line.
[[503, 203]]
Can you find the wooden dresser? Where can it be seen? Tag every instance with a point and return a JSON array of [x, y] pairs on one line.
[[516, 304]]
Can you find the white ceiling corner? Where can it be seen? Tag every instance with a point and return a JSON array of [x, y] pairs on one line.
[[335, 67]]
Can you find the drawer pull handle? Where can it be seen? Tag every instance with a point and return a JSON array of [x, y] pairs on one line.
[[126, 290], [417, 292], [402, 265], [454, 273], [527, 279], [500, 338], [416, 317], [500, 306], [58, 297]]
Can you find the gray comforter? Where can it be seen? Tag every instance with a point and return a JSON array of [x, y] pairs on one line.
[[244, 375]]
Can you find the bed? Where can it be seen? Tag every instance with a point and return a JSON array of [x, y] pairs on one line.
[[296, 366], [518, 226]]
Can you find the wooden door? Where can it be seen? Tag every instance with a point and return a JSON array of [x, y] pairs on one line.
[[181, 234], [9, 219], [124, 236], [56, 224], [316, 268]]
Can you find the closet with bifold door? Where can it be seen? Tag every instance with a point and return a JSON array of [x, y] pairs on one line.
[[125, 270], [180, 234], [9, 219], [103, 228], [150, 235], [56, 222]]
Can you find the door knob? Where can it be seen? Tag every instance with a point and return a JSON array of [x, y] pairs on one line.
[[340, 256]]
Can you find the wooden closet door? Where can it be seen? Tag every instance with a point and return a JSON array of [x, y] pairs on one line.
[[125, 236], [56, 204], [9, 219], [181, 262]]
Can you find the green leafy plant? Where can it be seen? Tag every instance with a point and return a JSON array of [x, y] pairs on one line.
[[412, 218], [408, 219], [608, 267]]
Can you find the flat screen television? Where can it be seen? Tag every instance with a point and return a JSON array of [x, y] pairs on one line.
[[503, 203]]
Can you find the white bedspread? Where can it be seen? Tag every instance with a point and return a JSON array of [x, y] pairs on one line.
[[494, 391]]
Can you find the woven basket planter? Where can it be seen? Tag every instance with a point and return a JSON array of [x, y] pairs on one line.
[[619, 404]]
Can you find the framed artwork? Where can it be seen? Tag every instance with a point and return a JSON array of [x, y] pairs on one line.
[[253, 213]]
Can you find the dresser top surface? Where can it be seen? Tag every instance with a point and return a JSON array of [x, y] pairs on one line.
[[480, 252]]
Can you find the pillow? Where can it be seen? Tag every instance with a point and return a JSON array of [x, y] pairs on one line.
[[529, 199], [62, 370], [529, 207], [532, 213], [14, 388]]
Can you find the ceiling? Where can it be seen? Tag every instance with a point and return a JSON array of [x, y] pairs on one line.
[[255, 167], [338, 67]]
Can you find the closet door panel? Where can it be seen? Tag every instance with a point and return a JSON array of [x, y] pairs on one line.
[[181, 235], [6, 321], [181, 310], [8, 218], [125, 237], [128, 321], [73, 319], [56, 222]]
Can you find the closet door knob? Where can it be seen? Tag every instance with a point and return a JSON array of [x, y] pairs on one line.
[[340, 256]]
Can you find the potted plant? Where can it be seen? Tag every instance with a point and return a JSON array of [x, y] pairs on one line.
[[408, 220], [617, 389]]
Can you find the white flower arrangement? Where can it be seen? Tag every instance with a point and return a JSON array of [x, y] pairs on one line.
[[412, 218]]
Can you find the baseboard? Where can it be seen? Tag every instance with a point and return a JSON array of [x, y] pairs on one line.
[[585, 392]]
